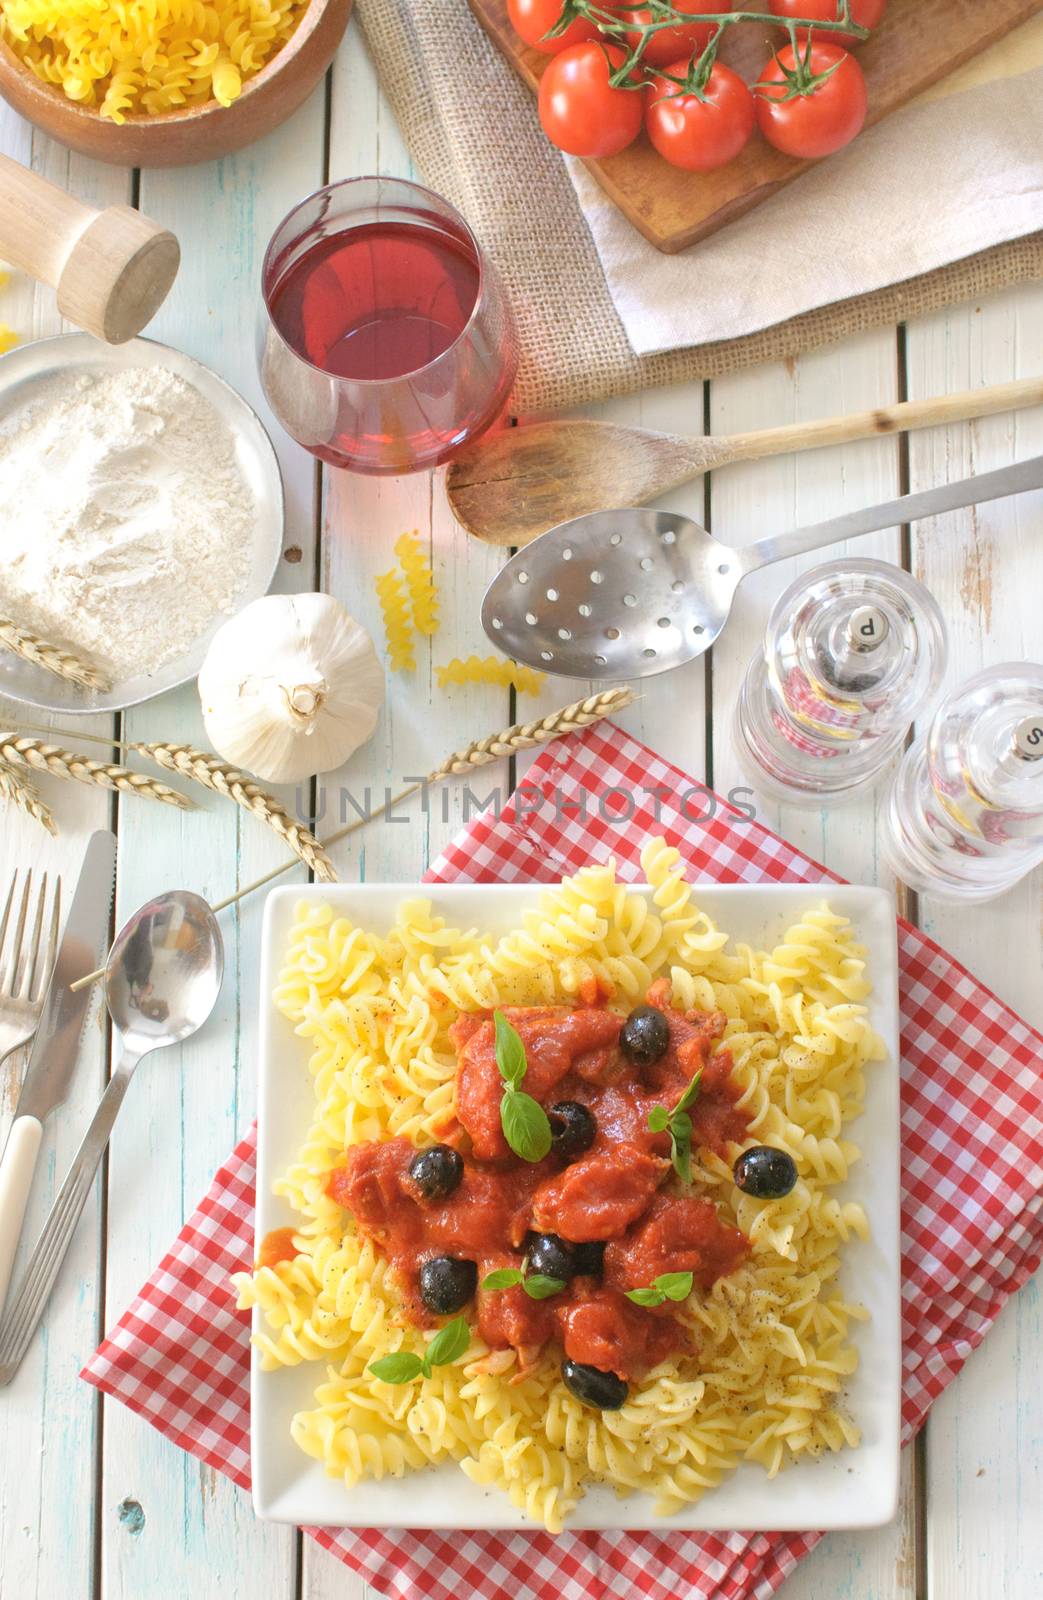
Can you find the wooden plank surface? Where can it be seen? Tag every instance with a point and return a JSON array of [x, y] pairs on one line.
[[918, 43], [187, 1108], [138, 1520], [984, 1456], [749, 502], [49, 1419]]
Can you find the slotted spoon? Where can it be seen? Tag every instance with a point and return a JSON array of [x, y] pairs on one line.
[[624, 594]]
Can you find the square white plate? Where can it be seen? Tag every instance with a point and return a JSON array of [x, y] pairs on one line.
[[854, 1489]]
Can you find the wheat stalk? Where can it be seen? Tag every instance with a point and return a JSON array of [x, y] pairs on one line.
[[208, 770], [524, 735], [50, 656], [520, 736], [236, 785], [51, 758], [23, 793]]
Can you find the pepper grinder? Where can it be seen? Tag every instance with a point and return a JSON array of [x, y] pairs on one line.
[[853, 651], [963, 818]]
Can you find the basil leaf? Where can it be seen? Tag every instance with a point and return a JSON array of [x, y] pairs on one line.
[[681, 1145], [502, 1278], [510, 1052], [675, 1285], [691, 1094], [525, 1125], [646, 1297], [658, 1119], [447, 1345], [402, 1367], [681, 1156], [668, 1286], [540, 1287]]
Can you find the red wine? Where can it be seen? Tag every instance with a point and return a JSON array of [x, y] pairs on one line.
[[388, 345], [377, 301]]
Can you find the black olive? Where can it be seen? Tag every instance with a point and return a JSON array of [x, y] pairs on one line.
[[595, 1388], [589, 1259], [644, 1036], [436, 1172], [447, 1284], [765, 1172], [550, 1256], [573, 1129]]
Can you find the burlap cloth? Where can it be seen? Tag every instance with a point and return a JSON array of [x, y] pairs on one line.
[[471, 127]]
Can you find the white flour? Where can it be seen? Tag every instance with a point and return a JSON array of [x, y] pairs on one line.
[[125, 522]]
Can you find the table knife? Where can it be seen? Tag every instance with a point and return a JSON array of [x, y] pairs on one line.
[[56, 1046]]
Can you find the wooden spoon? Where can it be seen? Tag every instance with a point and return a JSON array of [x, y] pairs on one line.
[[516, 484]]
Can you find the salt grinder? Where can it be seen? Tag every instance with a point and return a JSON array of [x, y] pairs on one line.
[[853, 651], [963, 818]]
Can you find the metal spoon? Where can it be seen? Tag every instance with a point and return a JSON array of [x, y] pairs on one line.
[[624, 594], [162, 978]]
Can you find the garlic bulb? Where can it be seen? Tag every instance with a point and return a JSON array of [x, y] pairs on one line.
[[290, 687]]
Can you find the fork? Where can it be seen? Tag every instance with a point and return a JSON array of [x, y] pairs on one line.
[[25, 967]]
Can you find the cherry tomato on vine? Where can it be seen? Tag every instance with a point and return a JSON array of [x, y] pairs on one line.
[[812, 104], [533, 19], [867, 13], [668, 44], [699, 134], [580, 110]]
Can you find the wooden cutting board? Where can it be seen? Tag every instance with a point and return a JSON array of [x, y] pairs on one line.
[[918, 43]]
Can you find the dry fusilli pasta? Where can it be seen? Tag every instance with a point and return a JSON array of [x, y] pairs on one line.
[[420, 581], [149, 57], [493, 670], [398, 630]]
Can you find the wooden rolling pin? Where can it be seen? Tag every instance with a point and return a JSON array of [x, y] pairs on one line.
[[112, 269], [514, 485]]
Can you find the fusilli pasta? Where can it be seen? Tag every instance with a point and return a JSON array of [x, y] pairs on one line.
[[772, 1338], [398, 630], [149, 57], [492, 670], [420, 581]]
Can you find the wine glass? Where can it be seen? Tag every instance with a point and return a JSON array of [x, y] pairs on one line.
[[387, 344]]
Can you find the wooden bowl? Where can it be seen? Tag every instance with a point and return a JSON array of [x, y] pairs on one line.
[[196, 133]]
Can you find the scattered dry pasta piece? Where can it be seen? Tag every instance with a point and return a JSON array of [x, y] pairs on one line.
[[8, 337], [491, 669], [420, 581], [397, 628], [147, 58]]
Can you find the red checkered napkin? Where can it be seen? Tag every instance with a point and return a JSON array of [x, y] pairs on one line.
[[972, 1145]]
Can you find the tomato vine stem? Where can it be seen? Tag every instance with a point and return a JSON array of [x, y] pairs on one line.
[[664, 14]]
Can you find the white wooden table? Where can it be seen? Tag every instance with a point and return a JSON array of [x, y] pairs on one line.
[[93, 1504]]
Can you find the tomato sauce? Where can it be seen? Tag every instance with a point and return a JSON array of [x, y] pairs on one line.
[[678, 1233], [277, 1246], [601, 1328], [557, 1041], [620, 1193]]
